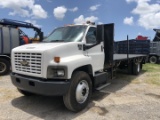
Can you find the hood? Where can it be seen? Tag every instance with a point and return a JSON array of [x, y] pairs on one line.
[[60, 48], [66, 51], [38, 46]]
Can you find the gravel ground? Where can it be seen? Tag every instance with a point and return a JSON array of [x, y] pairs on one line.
[[122, 100]]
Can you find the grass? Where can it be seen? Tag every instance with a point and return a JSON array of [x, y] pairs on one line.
[[153, 78], [150, 74], [151, 67]]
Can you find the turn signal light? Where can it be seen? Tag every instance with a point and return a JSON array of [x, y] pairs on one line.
[[57, 59]]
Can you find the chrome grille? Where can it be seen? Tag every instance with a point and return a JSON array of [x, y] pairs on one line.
[[28, 62]]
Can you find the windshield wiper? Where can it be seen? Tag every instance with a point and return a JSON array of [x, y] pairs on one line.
[[44, 41], [56, 41]]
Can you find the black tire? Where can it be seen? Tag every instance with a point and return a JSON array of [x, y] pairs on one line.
[[141, 66], [71, 99], [4, 66], [136, 68], [130, 68], [153, 59], [25, 93]]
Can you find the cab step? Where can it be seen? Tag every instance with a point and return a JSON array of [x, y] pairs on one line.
[[102, 86]]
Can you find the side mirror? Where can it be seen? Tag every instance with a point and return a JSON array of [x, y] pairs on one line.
[[41, 36], [86, 47]]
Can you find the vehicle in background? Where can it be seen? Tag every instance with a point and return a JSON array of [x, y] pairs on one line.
[[154, 52], [132, 46], [141, 45], [12, 36], [154, 56]]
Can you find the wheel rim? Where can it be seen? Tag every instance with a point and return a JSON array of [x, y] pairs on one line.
[[82, 91], [138, 68], [2, 67], [153, 59]]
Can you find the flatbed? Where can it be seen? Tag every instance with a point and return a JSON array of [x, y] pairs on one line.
[[118, 57]]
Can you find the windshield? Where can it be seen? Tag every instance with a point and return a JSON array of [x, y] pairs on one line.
[[67, 34]]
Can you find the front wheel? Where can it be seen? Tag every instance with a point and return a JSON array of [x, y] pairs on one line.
[[79, 93]]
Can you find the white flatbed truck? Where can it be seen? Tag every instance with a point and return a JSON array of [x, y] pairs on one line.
[[71, 62]]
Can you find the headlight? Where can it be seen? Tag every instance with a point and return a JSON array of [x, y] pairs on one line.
[[55, 73], [59, 73]]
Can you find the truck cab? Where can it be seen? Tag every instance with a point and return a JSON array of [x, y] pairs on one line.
[[61, 53]]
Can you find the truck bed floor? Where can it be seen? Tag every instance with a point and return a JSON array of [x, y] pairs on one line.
[[124, 56]]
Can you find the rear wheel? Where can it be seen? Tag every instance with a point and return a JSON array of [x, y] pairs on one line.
[[130, 68], [141, 66], [4, 66], [153, 59], [136, 68], [25, 93], [79, 93]]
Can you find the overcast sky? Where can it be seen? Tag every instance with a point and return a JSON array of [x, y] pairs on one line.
[[132, 17]]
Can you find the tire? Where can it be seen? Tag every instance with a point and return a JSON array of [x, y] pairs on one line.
[[141, 66], [130, 68], [25, 93], [4, 66], [136, 68], [79, 93], [153, 59]]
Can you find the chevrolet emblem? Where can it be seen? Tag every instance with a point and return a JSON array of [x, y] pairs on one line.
[[24, 63]]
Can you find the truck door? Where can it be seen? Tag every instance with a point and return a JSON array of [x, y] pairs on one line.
[[96, 51]]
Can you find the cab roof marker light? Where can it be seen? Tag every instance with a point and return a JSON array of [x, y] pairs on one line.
[[90, 23], [68, 25]]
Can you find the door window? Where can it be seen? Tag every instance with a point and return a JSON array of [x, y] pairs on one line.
[[91, 36]]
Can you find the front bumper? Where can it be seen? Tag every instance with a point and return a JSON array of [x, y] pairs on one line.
[[37, 86]]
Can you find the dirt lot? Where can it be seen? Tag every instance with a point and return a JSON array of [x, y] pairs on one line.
[[127, 98]]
